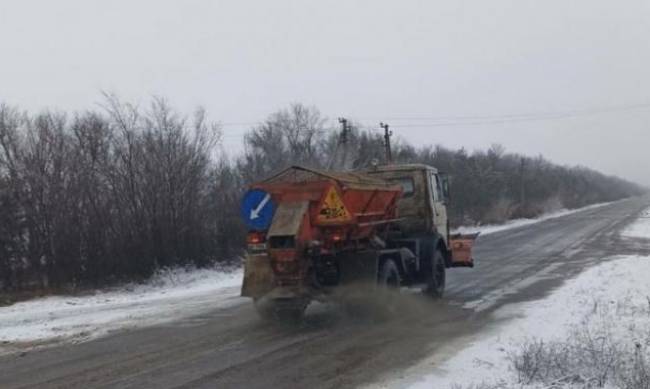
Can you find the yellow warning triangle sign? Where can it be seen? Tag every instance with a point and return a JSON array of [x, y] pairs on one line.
[[332, 209]]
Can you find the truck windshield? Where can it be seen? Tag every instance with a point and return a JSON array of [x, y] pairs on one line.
[[437, 188]]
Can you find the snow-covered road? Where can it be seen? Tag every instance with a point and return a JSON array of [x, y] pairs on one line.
[[516, 223], [640, 228], [231, 348], [169, 296], [612, 297]]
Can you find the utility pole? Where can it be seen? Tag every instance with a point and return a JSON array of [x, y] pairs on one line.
[[345, 131], [387, 135]]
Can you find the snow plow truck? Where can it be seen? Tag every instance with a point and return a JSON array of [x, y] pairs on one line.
[[313, 233]]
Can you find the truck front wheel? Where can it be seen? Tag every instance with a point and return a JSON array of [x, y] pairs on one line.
[[436, 277]]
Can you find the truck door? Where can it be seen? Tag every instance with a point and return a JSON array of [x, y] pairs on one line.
[[439, 207]]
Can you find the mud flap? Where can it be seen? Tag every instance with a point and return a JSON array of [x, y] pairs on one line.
[[461, 249], [258, 276]]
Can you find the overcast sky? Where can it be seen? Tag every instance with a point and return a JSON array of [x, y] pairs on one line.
[[586, 63]]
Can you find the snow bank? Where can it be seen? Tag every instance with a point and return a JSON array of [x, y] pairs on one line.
[[169, 295], [640, 228], [615, 291], [516, 223]]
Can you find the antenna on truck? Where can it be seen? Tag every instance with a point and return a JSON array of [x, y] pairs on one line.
[[387, 135]]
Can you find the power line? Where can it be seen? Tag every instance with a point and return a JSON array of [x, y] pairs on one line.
[[471, 120], [519, 116], [505, 119]]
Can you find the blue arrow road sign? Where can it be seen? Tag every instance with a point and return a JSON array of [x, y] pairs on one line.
[[257, 209]]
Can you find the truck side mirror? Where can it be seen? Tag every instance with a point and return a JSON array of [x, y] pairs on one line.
[[444, 181]]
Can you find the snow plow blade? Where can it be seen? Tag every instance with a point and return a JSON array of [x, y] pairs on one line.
[[461, 249]]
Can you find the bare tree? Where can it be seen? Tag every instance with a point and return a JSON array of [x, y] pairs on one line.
[[102, 196], [289, 136]]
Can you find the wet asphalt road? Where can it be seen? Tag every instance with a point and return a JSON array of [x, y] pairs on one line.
[[333, 347]]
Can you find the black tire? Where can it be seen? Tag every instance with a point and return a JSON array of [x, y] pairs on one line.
[[436, 275], [282, 310], [389, 281]]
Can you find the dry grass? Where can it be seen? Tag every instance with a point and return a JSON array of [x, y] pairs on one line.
[[603, 351], [593, 356]]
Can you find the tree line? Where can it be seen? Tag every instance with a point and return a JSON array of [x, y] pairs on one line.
[[116, 193]]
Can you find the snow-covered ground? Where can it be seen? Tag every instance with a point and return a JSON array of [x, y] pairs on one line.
[[640, 228], [615, 291], [608, 304], [168, 296], [515, 223]]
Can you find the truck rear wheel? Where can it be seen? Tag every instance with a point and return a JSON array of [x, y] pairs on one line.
[[389, 282], [437, 276]]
